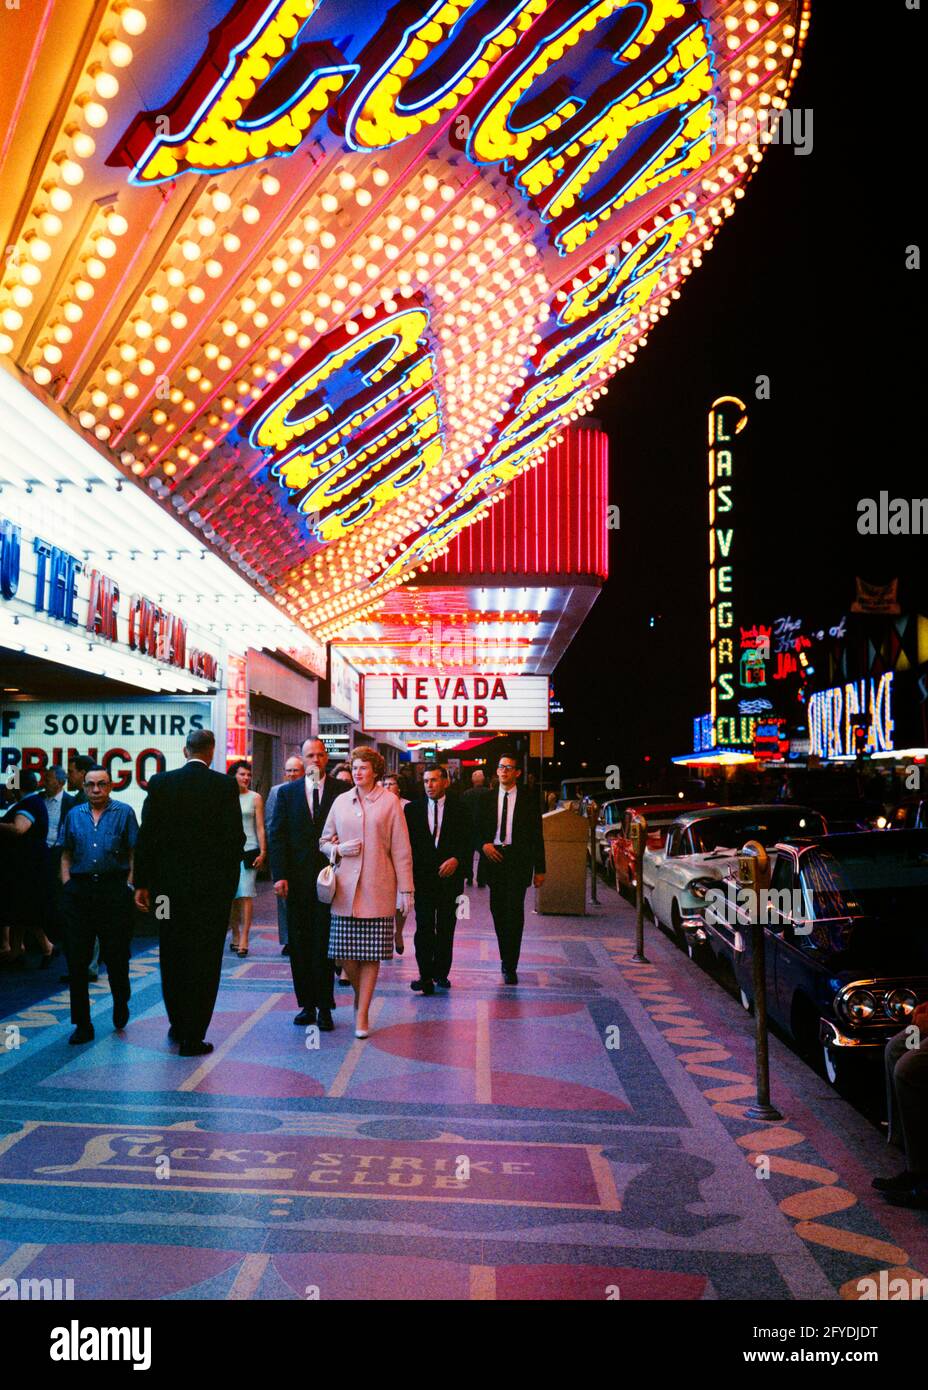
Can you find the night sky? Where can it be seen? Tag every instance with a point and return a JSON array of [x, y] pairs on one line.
[[806, 284]]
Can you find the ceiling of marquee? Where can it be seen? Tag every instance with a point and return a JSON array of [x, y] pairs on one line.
[[515, 630], [329, 362]]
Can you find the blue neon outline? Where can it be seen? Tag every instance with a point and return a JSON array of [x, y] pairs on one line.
[[343, 457], [530, 58], [160, 141], [391, 338], [643, 269], [594, 213], [554, 149], [425, 102]]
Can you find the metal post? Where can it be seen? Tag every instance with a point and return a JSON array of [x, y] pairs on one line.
[[639, 830], [592, 820], [754, 859]]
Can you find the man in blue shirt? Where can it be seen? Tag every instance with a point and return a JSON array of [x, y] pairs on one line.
[[96, 869]]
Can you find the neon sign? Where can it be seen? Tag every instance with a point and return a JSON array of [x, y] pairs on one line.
[[727, 418], [268, 93], [833, 714], [354, 421], [259, 90]]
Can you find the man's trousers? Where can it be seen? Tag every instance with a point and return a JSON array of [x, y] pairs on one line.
[[97, 907]]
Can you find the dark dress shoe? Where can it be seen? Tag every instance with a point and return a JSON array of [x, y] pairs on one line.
[[902, 1182], [173, 1035], [915, 1197], [120, 1015], [81, 1035], [326, 1021], [345, 984], [305, 1016], [285, 951], [195, 1049], [443, 982], [422, 986], [510, 977]]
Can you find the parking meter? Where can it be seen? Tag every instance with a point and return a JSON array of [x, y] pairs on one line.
[[592, 815], [754, 876], [638, 831]]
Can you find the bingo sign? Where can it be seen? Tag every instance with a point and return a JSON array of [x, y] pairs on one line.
[[132, 739], [460, 703]]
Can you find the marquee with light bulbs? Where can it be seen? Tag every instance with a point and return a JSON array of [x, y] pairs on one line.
[[355, 266]]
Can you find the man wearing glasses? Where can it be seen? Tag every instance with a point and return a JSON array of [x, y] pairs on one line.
[[513, 849]]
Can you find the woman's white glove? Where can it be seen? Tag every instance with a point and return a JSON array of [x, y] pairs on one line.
[[349, 848], [404, 903]]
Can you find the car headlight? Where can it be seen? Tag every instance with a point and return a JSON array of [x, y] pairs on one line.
[[900, 1004], [881, 822], [860, 1005]]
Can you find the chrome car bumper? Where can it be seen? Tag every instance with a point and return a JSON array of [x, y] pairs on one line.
[[830, 1035]]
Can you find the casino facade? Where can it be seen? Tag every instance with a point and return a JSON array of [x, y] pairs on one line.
[[304, 316]]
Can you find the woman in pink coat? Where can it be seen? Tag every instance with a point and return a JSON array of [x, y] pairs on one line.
[[366, 838]]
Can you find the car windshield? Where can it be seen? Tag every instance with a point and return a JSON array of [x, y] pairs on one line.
[[731, 832], [869, 879]]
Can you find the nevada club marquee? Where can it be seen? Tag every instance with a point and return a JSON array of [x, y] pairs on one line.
[[410, 704]]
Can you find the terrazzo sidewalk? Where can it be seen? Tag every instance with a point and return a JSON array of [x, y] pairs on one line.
[[580, 1136]]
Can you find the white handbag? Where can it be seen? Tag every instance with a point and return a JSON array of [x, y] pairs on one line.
[[325, 884]]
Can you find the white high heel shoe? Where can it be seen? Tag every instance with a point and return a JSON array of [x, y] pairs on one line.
[[359, 1032]]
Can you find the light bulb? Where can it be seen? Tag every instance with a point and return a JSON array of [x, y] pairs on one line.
[[71, 172], [250, 214], [106, 247], [119, 53], [133, 21], [82, 144], [41, 374], [117, 224], [60, 199], [95, 115]]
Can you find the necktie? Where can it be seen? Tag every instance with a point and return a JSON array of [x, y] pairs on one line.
[[502, 819], [435, 821], [315, 803]]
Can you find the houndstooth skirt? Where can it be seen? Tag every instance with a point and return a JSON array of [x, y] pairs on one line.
[[361, 938]]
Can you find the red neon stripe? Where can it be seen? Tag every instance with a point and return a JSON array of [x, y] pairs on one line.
[[27, 78]]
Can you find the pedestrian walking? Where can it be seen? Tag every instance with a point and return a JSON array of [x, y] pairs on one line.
[[440, 834], [391, 783], [513, 848], [473, 799], [906, 1061], [25, 902], [187, 863], [300, 813], [366, 838], [294, 770], [254, 855], [97, 848]]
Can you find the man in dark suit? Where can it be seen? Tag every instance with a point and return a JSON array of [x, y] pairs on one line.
[[474, 799], [513, 848], [300, 813], [440, 833], [187, 861]]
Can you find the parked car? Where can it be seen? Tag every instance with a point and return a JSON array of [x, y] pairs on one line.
[[846, 943], [910, 815], [702, 845], [660, 815], [611, 818]]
